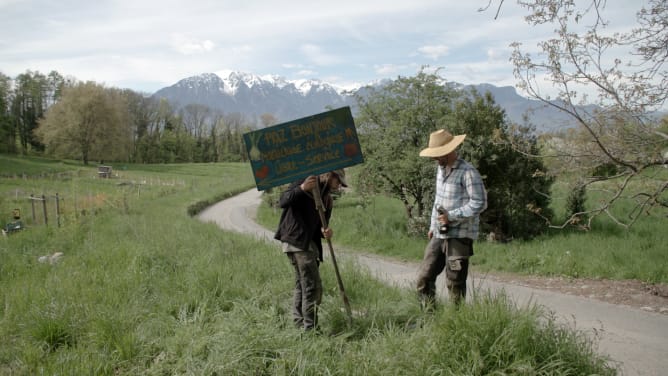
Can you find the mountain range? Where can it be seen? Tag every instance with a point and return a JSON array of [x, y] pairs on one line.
[[252, 96]]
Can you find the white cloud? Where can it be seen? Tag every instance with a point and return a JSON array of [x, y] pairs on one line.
[[494, 54], [292, 66], [434, 52], [317, 56], [5, 3], [387, 69], [144, 44], [188, 46], [306, 73]]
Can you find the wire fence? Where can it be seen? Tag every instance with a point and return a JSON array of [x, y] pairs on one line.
[[56, 209]]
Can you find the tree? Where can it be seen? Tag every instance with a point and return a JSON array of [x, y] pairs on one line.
[[28, 107], [394, 124], [198, 120], [89, 122], [514, 180], [53, 88], [7, 135], [626, 74], [395, 121], [141, 112], [231, 128], [150, 118]]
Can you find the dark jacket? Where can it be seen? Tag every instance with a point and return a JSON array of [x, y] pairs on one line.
[[300, 221]]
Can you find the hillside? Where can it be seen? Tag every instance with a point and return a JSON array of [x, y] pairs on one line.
[[253, 95]]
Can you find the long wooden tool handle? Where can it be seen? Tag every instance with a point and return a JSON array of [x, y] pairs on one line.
[[323, 220]]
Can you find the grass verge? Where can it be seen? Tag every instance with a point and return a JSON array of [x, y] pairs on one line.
[[152, 291]]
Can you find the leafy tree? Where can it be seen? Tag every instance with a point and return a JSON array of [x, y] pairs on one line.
[[89, 122], [7, 134], [24, 102], [28, 107], [395, 122], [140, 112], [151, 118], [623, 74], [53, 88], [517, 184]]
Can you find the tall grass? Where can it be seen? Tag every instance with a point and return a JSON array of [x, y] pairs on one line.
[[153, 291], [378, 225]]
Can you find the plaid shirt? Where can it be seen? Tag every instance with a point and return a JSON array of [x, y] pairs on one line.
[[462, 193]]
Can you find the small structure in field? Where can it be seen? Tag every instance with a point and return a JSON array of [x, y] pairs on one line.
[[104, 171]]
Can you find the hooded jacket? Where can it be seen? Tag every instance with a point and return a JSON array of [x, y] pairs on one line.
[[300, 221]]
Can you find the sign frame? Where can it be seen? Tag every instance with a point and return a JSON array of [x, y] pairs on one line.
[[311, 145]]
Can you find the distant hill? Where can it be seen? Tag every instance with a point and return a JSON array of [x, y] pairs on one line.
[[253, 95]]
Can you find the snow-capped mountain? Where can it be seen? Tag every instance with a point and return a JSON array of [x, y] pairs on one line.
[[252, 96]]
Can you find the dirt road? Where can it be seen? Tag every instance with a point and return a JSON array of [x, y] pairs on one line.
[[635, 339]]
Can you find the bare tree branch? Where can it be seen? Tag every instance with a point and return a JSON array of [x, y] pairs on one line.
[[619, 134]]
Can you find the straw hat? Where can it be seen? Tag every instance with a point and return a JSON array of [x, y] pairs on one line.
[[441, 143]]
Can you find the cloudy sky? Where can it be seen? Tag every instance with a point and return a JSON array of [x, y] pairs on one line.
[[145, 45]]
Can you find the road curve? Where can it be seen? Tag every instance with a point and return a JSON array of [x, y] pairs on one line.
[[634, 339]]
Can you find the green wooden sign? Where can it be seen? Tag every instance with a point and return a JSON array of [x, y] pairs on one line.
[[312, 145]]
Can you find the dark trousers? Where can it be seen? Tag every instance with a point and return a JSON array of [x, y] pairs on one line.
[[451, 255], [308, 288]]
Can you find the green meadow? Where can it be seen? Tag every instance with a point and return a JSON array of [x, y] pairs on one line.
[[144, 288], [377, 225]]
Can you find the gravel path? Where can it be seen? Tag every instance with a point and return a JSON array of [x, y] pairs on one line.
[[635, 339]]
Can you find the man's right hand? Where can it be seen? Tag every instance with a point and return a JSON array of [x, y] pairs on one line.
[[430, 234], [308, 184]]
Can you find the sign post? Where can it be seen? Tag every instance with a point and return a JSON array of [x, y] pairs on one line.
[[308, 146]]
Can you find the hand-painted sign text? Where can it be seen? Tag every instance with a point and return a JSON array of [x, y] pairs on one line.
[[308, 146]]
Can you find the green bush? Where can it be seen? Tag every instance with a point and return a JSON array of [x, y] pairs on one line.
[[575, 204]]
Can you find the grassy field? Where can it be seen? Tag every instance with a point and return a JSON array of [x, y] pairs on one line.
[[607, 251], [143, 288]]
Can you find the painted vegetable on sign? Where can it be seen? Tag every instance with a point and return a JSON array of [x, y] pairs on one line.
[[350, 150], [262, 172], [254, 153]]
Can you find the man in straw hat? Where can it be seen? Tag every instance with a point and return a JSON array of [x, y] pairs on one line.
[[455, 217], [301, 231]]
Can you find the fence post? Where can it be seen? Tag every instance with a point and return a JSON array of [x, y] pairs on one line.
[[46, 220], [57, 209], [32, 206]]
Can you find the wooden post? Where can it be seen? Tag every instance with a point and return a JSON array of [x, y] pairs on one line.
[[323, 220], [46, 220], [32, 206], [58, 209]]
